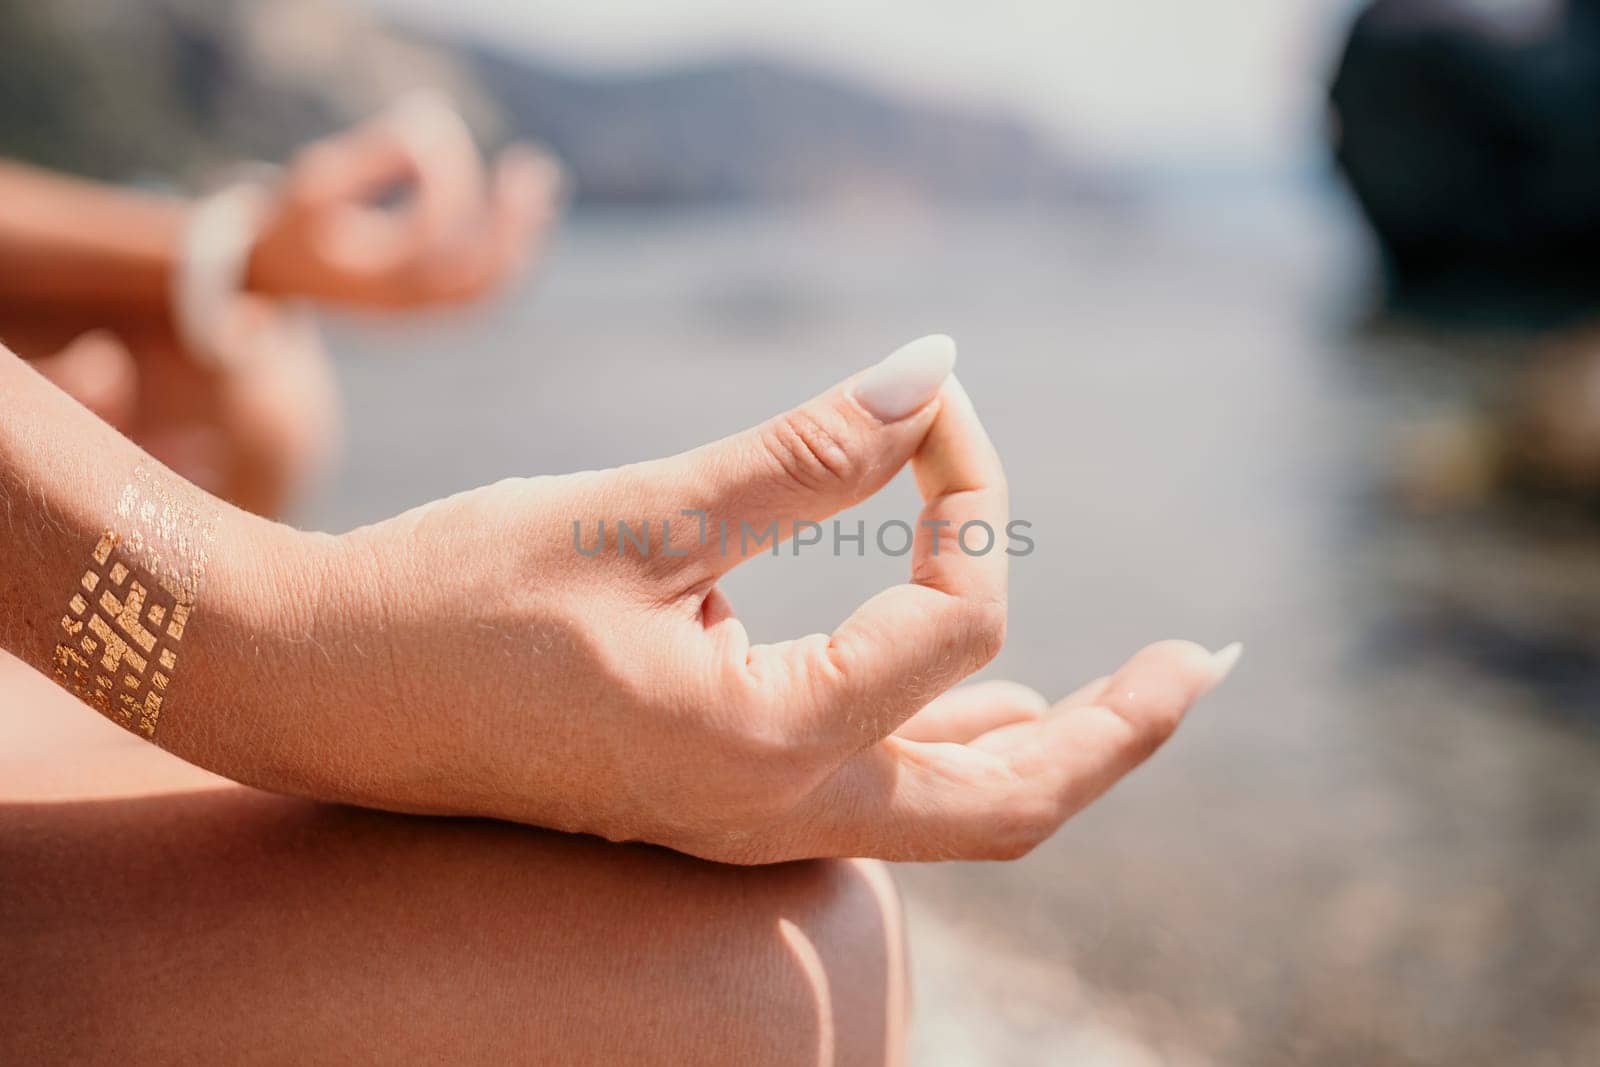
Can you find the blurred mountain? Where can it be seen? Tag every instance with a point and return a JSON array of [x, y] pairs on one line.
[[169, 89], [747, 128]]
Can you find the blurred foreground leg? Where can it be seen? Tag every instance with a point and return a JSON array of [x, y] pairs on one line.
[[166, 916]]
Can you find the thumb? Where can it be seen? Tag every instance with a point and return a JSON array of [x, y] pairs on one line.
[[815, 460]]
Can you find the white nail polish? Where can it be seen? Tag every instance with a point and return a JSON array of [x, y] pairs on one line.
[[1223, 662], [423, 105], [908, 378], [424, 120]]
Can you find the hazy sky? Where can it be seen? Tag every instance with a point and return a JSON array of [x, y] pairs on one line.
[[1181, 82]]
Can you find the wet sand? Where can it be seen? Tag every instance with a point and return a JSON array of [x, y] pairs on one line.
[[1379, 842]]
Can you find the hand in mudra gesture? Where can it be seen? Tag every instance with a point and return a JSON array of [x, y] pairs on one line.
[[466, 658], [462, 227]]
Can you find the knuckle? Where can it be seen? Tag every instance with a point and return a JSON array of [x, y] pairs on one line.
[[1150, 723], [986, 629], [1021, 829], [1161, 722], [835, 657], [810, 450]]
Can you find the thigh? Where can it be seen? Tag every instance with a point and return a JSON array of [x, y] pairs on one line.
[[157, 914]]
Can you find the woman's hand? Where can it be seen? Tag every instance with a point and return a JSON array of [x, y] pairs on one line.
[[458, 233], [467, 658]]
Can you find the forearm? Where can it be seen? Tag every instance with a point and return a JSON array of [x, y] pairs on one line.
[[70, 243], [136, 591]]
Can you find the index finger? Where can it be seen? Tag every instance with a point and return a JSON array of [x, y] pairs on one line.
[[419, 140], [450, 181], [353, 165], [912, 642]]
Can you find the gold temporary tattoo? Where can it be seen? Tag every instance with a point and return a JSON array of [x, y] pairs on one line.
[[126, 618]]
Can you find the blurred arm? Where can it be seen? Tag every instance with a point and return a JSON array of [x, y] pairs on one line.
[[67, 243]]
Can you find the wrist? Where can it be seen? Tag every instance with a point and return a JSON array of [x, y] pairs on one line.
[[218, 240], [242, 682]]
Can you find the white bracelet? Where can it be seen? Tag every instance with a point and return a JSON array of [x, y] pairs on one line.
[[213, 255]]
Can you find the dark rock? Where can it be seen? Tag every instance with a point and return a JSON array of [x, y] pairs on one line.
[[1470, 134]]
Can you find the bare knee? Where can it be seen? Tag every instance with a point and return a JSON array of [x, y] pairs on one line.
[[851, 947], [835, 990], [799, 963]]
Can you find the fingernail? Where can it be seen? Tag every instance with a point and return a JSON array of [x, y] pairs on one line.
[[424, 104], [425, 118], [536, 175], [907, 379], [1222, 663], [532, 164]]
